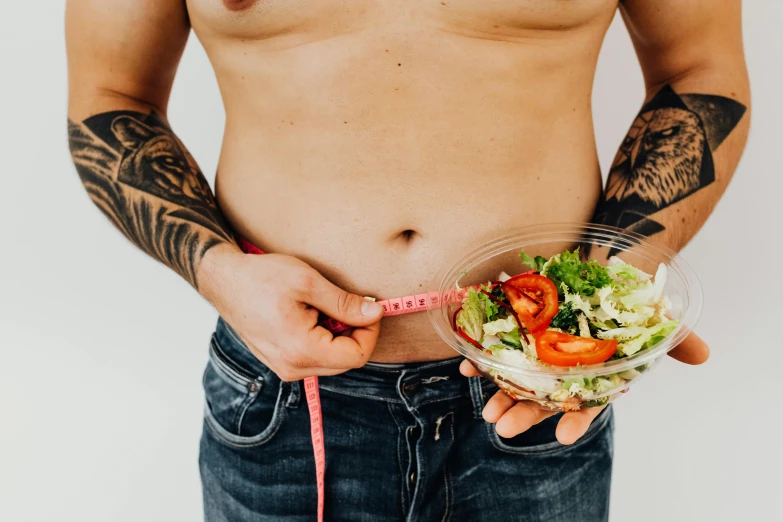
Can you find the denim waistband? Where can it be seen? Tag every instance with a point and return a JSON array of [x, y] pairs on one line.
[[412, 384]]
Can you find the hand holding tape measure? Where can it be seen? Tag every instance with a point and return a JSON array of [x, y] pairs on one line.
[[273, 302]]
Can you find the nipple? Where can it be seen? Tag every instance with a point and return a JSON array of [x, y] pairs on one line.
[[238, 5]]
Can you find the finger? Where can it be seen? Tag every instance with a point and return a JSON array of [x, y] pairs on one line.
[[366, 337], [520, 418], [322, 349], [692, 350], [346, 307], [574, 424], [499, 404], [467, 369], [286, 371]]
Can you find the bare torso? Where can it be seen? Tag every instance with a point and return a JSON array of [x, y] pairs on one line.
[[379, 140]]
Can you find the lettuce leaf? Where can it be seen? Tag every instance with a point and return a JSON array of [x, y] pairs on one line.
[[491, 308], [578, 276], [497, 326], [536, 263], [473, 315], [566, 318], [634, 338]]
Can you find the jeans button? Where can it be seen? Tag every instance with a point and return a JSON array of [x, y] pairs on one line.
[[413, 476], [253, 386]]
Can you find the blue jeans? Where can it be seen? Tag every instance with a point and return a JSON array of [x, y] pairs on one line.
[[403, 442]]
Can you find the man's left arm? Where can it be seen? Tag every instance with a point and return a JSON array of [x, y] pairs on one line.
[[677, 159], [686, 141]]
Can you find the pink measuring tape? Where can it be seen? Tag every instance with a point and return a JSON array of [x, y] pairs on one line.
[[397, 306]]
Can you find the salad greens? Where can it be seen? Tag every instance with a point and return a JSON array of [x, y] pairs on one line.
[[536, 263], [473, 314], [595, 305], [581, 277], [567, 319]]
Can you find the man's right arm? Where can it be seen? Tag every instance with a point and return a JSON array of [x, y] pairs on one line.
[[122, 58]]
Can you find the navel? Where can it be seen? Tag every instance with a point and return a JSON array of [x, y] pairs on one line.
[[406, 236]]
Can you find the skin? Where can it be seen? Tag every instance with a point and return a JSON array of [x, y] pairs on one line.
[[512, 417], [357, 137]]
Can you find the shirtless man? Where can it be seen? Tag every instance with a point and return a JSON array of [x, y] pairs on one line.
[[366, 144]]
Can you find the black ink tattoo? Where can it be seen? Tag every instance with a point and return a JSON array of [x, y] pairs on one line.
[[666, 156], [143, 179]]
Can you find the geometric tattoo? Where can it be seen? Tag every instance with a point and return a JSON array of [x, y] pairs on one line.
[[144, 180], [666, 157]]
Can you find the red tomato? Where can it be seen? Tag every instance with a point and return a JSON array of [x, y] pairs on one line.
[[562, 349], [534, 299]]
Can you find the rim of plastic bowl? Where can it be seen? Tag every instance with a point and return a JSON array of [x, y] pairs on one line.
[[601, 235]]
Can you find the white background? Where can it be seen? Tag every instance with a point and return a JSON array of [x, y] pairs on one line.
[[102, 349]]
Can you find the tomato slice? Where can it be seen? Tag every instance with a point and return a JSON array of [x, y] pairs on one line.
[[562, 349], [534, 299]]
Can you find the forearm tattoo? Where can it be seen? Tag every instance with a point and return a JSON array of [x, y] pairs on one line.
[[143, 179], [667, 156]]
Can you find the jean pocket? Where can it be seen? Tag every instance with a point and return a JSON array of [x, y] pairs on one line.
[[242, 408], [540, 439]]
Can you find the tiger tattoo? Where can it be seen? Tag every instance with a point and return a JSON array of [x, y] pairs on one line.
[[142, 178]]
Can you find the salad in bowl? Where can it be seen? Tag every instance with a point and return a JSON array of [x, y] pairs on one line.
[[560, 329]]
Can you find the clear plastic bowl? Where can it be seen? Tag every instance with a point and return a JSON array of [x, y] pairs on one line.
[[537, 383]]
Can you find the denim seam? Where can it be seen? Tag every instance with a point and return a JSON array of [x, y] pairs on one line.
[[419, 469], [435, 364], [400, 435], [235, 336], [380, 369], [416, 405], [222, 368], [391, 400], [447, 472], [294, 394], [476, 396], [364, 395], [239, 441], [550, 447], [239, 415]]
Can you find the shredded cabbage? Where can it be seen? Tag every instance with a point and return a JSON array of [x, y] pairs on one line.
[[633, 338], [506, 325], [472, 316]]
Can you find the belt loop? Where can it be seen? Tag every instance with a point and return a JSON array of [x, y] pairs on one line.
[[294, 394], [476, 396]]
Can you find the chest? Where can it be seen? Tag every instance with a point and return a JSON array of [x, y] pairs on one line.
[[259, 19]]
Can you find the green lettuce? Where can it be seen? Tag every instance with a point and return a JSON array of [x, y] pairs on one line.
[[580, 277], [491, 308], [634, 338], [500, 326], [473, 314], [536, 263], [566, 318]]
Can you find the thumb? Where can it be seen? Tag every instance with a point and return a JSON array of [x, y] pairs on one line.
[[346, 307], [692, 350]]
